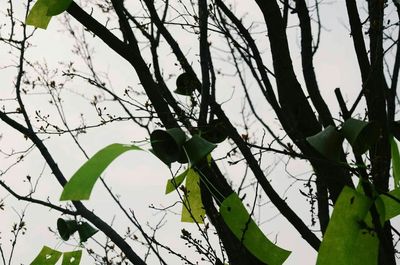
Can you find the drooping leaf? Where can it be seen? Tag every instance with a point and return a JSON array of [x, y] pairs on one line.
[[367, 241], [174, 183], [392, 203], [72, 257], [47, 256], [245, 229], [193, 209], [345, 228], [56, 7], [379, 203], [395, 161], [38, 17], [81, 184], [366, 245]]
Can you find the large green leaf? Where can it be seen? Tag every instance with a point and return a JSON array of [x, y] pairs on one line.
[[47, 256], [346, 231], [81, 184], [392, 206], [365, 251], [245, 229], [175, 182], [72, 258], [395, 162], [367, 241], [56, 7], [193, 209], [38, 17]]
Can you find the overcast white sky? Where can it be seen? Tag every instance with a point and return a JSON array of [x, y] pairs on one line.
[[138, 176]]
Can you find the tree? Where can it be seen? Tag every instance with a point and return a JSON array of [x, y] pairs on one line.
[[353, 183]]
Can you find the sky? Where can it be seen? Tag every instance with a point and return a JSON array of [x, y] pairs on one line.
[[138, 176]]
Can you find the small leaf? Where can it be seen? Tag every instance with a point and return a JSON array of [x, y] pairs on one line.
[[360, 134], [214, 132], [38, 17], [81, 184], [197, 148], [66, 228], [366, 245], [367, 241], [56, 7], [186, 84], [175, 182], [392, 206], [86, 231], [395, 162], [167, 145], [47, 256], [327, 142], [245, 229], [347, 222], [72, 258], [192, 199]]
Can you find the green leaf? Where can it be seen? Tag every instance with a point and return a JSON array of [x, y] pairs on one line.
[[193, 209], [72, 258], [360, 134], [395, 162], [327, 142], [86, 231], [392, 207], [197, 148], [346, 227], [56, 7], [47, 256], [366, 245], [81, 184], [167, 145], [367, 241], [66, 228], [41, 13], [175, 182], [245, 229], [38, 17]]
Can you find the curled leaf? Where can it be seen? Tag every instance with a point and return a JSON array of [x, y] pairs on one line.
[[80, 186]]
